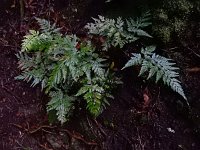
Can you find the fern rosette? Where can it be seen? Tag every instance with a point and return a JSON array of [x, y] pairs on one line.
[[64, 70]]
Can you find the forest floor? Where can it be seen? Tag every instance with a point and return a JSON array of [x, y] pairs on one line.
[[143, 116]]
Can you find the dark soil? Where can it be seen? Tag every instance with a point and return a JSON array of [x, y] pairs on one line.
[[143, 116]]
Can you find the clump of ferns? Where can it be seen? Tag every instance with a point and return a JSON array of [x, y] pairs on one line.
[[62, 64], [118, 33]]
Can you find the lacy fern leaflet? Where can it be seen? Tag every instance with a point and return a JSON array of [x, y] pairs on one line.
[[157, 66]]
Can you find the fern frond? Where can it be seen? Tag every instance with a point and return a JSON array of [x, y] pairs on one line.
[[46, 27], [136, 59], [97, 67], [33, 76], [31, 41], [145, 67], [175, 85], [93, 94], [55, 77], [139, 22], [62, 103], [166, 71], [44, 24], [118, 32], [98, 91], [32, 69], [153, 70], [25, 62], [158, 66], [35, 41], [136, 25]]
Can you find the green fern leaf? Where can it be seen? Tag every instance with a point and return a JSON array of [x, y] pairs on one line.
[[55, 77], [82, 90], [144, 68], [175, 85], [140, 22], [159, 66], [46, 27], [97, 67], [135, 60], [152, 72], [140, 32], [62, 103], [117, 32], [159, 75]]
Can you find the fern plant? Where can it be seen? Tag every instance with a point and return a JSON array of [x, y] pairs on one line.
[[158, 66], [64, 70], [118, 32], [62, 103]]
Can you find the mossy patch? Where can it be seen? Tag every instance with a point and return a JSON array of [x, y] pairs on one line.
[[171, 19]]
